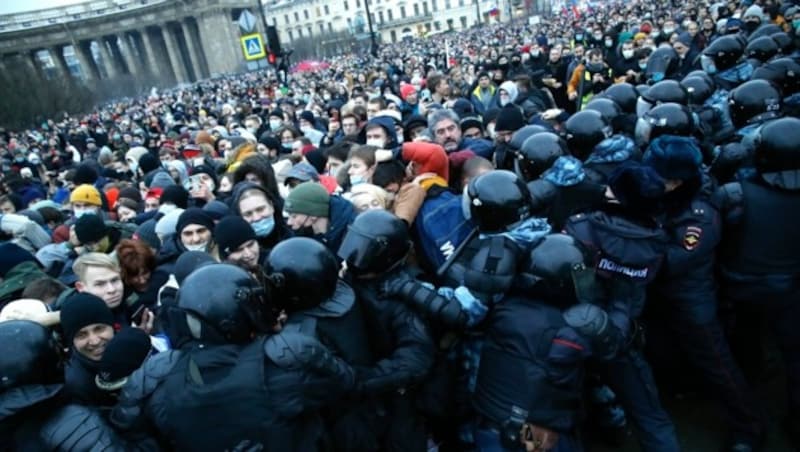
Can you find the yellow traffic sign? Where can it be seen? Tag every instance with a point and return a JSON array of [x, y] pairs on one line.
[[253, 47]]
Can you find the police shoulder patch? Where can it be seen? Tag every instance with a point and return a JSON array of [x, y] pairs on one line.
[[691, 238]]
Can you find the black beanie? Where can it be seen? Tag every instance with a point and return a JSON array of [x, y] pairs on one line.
[[277, 112], [12, 255], [148, 162], [269, 141], [190, 261], [83, 309], [509, 119], [489, 116], [194, 215], [231, 232], [90, 229], [131, 193], [125, 353], [175, 194], [85, 174], [206, 169]]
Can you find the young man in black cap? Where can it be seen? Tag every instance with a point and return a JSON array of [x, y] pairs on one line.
[[237, 243], [88, 326]]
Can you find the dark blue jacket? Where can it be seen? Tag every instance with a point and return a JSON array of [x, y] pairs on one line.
[[342, 213]]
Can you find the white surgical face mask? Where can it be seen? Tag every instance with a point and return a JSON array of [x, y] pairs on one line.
[[627, 54], [274, 124], [81, 212], [378, 143], [197, 247]]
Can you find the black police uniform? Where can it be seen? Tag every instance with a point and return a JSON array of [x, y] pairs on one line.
[[684, 300], [271, 390], [628, 253]]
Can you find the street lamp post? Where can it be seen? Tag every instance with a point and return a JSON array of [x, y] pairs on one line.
[[373, 44]]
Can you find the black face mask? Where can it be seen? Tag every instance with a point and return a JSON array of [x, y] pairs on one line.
[[751, 25], [594, 67], [305, 231]]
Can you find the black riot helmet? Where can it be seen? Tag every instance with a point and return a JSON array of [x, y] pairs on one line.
[[584, 130], [497, 200], [524, 133], [660, 93], [376, 242], [761, 49], [764, 30], [624, 94], [698, 88], [606, 107], [777, 153], [560, 265], [664, 119], [703, 74], [784, 41], [752, 101], [783, 72], [661, 64], [538, 154], [303, 272], [224, 304], [28, 355], [723, 53]]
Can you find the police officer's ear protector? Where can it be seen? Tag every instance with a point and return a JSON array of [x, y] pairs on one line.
[[278, 283], [253, 301]]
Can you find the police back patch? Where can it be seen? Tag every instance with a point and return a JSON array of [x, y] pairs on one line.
[[691, 239]]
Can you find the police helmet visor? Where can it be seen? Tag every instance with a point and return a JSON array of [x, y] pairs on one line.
[[360, 250], [643, 106], [644, 128]]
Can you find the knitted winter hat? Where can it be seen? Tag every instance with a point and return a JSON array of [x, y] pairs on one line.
[[86, 194], [231, 233], [90, 229], [194, 215], [83, 309], [430, 157], [125, 353], [308, 198]]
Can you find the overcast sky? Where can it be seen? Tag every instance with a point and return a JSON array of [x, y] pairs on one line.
[[16, 6]]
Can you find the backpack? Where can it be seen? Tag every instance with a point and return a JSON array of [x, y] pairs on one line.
[[440, 227]]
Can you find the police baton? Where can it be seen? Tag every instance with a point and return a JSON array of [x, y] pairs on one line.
[[452, 258]]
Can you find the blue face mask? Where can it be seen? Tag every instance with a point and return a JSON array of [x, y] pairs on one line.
[[287, 146], [355, 180], [264, 226], [796, 24]]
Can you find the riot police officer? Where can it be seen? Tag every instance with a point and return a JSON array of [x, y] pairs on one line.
[[304, 276], [531, 370], [629, 246], [537, 154], [624, 95], [374, 248], [684, 297], [760, 260], [272, 386], [722, 61]]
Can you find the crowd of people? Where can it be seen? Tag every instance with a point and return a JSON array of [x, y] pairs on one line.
[[456, 244]]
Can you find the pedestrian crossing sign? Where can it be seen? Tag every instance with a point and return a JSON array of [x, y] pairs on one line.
[[253, 47]]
